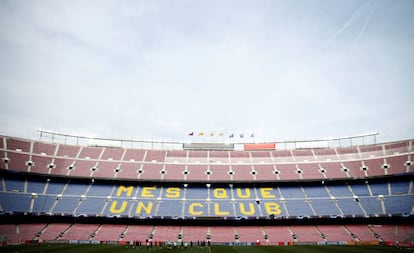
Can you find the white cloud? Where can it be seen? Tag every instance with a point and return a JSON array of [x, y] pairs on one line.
[[162, 69]]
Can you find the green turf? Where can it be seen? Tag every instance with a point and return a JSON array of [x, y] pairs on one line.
[[58, 248]]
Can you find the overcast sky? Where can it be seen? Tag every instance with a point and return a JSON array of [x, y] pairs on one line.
[[162, 69]]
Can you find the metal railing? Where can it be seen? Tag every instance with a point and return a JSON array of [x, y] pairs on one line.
[[73, 139]]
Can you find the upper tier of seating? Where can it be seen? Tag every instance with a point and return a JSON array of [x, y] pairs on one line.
[[195, 165]]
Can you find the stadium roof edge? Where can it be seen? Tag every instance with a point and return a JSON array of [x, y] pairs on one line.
[[343, 141], [371, 134]]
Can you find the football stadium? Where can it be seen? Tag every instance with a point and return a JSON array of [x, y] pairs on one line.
[[58, 190]]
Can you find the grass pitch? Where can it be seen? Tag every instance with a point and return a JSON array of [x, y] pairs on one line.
[[71, 248]]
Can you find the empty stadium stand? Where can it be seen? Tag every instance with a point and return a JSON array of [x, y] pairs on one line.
[[361, 193]]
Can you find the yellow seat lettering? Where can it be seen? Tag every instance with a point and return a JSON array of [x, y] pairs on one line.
[[217, 210], [244, 195], [251, 210], [141, 206], [115, 209], [147, 192], [122, 189], [192, 211], [173, 192], [220, 193], [266, 193], [272, 208]]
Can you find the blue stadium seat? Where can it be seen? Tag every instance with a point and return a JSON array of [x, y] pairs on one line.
[[298, 208], [100, 190], [400, 187], [292, 192], [76, 189], [196, 193], [55, 187], [349, 206], [399, 204], [340, 191], [379, 188], [43, 203], [169, 207], [360, 189], [325, 207], [91, 206], [316, 191], [35, 186], [371, 205], [66, 205], [14, 185], [15, 202]]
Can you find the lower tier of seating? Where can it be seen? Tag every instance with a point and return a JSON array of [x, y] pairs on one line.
[[270, 235]]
